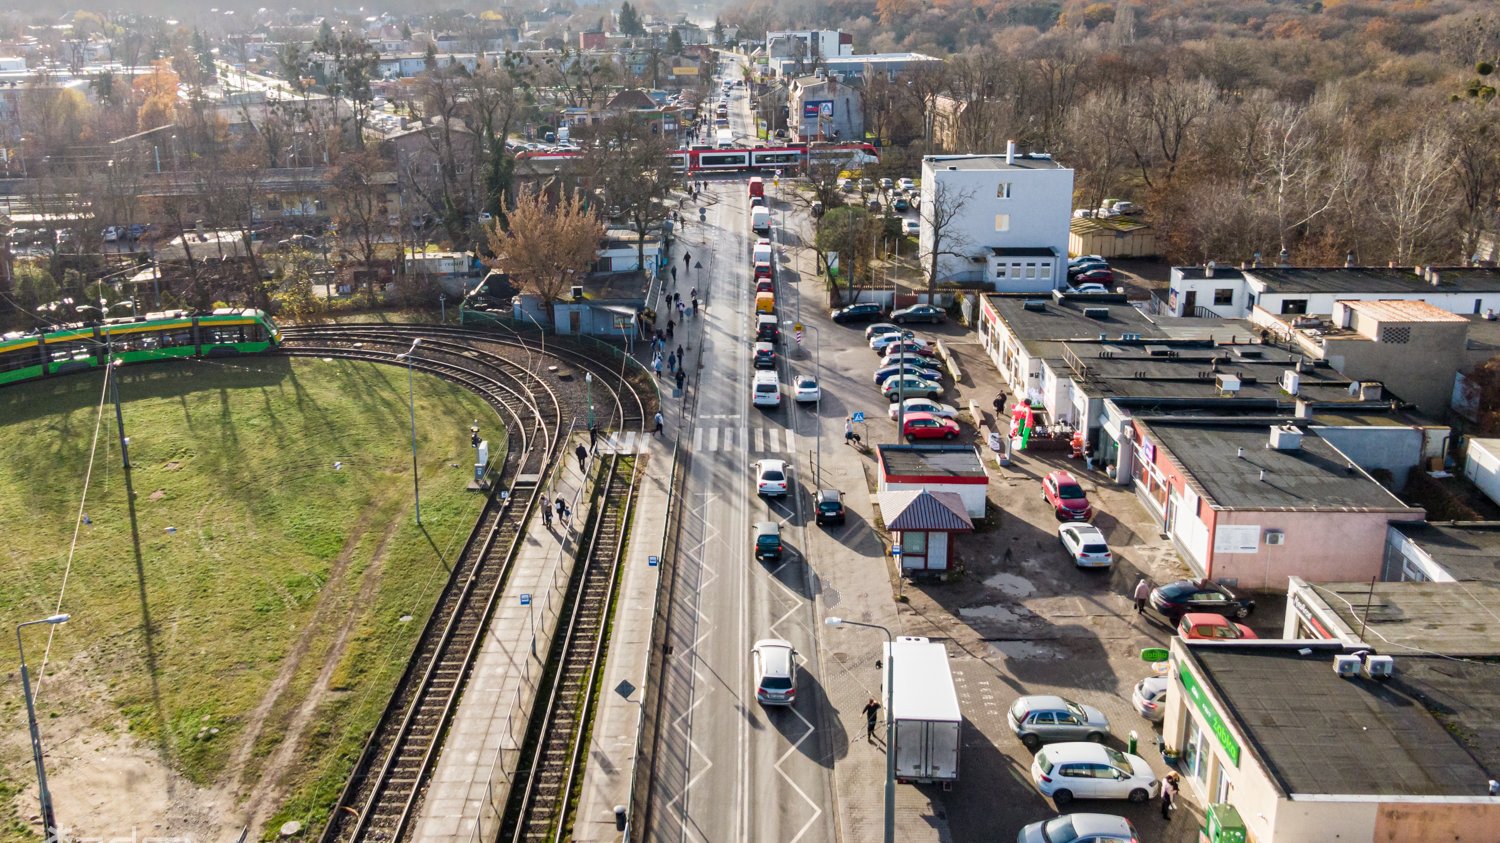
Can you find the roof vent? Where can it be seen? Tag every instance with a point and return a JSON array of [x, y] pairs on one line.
[[1010, 152], [1208, 269], [1286, 437], [1349, 261], [1159, 350], [1100, 313], [1036, 305], [1370, 391], [1227, 384]]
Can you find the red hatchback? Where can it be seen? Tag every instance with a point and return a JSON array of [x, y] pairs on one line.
[[927, 426], [762, 269], [1066, 496]]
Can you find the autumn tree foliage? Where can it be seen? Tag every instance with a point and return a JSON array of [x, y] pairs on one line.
[[547, 245], [156, 93]]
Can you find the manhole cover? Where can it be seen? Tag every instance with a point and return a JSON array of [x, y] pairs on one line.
[[625, 689], [842, 657], [830, 597]]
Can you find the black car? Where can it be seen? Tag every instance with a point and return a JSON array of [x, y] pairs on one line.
[[767, 541], [918, 313], [866, 312], [1175, 599], [830, 506], [765, 355]]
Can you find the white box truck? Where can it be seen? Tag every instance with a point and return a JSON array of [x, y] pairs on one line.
[[760, 219], [923, 706]]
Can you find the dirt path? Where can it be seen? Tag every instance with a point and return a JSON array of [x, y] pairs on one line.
[[271, 787]]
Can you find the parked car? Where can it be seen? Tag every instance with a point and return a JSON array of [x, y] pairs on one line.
[[926, 426], [873, 206], [861, 312], [918, 313], [881, 328], [112, 234], [866, 185], [1176, 599], [770, 477], [830, 506], [765, 355], [895, 358], [1094, 276], [886, 184], [1090, 289], [913, 228], [1150, 697], [924, 405], [775, 665], [1080, 828], [881, 342], [901, 205], [907, 184], [1044, 718], [909, 348], [846, 185], [908, 385], [767, 541], [1085, 543], [806, 390], [1068, 771], [912, 366], [1069, 501], [1203, 626]]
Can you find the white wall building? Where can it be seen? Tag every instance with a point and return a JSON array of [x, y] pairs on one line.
[[1229, 293], [1012, 231]]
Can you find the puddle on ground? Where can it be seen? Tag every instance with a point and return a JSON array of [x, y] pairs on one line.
[[991, 613], [1011, 584], [1025, 650]]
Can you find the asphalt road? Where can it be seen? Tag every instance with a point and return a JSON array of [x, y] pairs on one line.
[[732, 770]]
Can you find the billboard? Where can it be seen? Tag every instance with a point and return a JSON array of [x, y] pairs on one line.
[[814, 109]]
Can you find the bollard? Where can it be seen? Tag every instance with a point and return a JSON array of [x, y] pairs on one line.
[[619, 818], [1131, 744]]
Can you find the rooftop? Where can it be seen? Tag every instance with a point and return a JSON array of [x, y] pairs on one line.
[[1193, 273], [1313, 477], [1467, 550], [1397, 310], [1356, 279], [1040, 318], [1439, 618], [1029, 161], [931, 460], [1174, 369], [919, 509], [1321, 734]]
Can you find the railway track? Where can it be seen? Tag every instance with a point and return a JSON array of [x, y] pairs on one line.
[[380, 799], [542, 797]]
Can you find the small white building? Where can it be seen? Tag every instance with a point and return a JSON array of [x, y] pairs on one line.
[[1227, 293], [1010, 227], [789, 52], [1482, 465]]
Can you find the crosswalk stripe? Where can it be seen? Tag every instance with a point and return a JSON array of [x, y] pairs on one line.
[[713, 439], [630, 442], [791, 441], [698, 438]]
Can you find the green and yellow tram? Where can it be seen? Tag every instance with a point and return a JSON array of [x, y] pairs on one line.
[[136, 339]]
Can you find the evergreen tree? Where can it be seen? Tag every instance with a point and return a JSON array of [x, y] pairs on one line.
[[674, 43], [630, 20]]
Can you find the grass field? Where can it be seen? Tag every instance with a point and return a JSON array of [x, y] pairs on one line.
[[262, 550]]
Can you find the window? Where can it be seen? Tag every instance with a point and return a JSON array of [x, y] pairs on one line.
[[1224, 296], [1002, 222], [1002, 190], [914, 542], [1294, 306]]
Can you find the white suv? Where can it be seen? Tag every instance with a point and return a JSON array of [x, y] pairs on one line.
[[767, 389], [1082, 770], [775, 663]]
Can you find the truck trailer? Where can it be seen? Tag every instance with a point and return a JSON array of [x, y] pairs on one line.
[[923, 707]]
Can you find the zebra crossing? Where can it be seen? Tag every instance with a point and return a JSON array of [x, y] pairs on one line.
[[772, 440], [632, 442]]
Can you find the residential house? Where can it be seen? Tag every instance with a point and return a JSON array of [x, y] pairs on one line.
[[825, 109]]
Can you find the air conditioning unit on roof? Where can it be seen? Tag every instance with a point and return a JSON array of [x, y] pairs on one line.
[[1380, 667], [1346, 666]]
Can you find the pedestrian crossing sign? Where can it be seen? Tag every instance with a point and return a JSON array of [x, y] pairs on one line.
[[859, 416]]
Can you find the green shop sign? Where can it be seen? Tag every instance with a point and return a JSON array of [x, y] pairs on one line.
[[1210, 714]]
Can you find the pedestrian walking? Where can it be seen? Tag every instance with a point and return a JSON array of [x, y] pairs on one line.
[[681, 310], [872, 713], [694, 293], [547, 516], [656, 364], [583, 455], [669, 329], [695, 305], [999, 404], [848, 430], [1142, 591], [687, 260], [672, 361], [593, 437], [560, 505], [660, 420], [1168, 796], [674, 273], [681, 379], [681, 356], [567, 514]]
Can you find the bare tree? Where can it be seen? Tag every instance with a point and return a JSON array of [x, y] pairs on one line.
[[1302, 174], [850, 233], [546, 245], [628, 164], [1414, 202], [360, 210], [941, 238]]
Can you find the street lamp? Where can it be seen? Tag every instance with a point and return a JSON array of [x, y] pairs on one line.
[[901, 383], [890, 723], [49, 818], [543, 332], [818, 404], [588, 384], [411, 405]]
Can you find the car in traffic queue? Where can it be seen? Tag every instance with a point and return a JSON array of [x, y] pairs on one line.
[[765, 285], [926, 426], [765, 355], [805, 390], [860, 312], [770, 478], [1080, 828], [763, 270], [912, 366], [1067, 498], [1150, 697], [768, 545], [1175, 599], [1068, 771], [904, 386], [919, 313], [1202, 626], [767, 329], [830, 507], [766, 389], [1044, 718], [1085, 543], [924, 405], [774, 662]]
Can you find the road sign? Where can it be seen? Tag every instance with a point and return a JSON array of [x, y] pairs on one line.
[[526, 600], [895, 550], [653, 561], [859, 416]]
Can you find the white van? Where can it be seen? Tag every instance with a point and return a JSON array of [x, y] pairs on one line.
[[761, 253], [767, 389], [760, 220]]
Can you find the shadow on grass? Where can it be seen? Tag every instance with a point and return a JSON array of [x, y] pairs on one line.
[[148, 633]]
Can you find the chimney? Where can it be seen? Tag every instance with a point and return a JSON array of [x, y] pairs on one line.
[[1284, 259], [1304, 409], [1208, 269], [1285, 437], [1370, 390], [1010, 152], [1435, 277], [1349, 261]]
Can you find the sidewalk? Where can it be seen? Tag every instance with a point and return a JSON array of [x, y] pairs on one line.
[[471, 782]]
